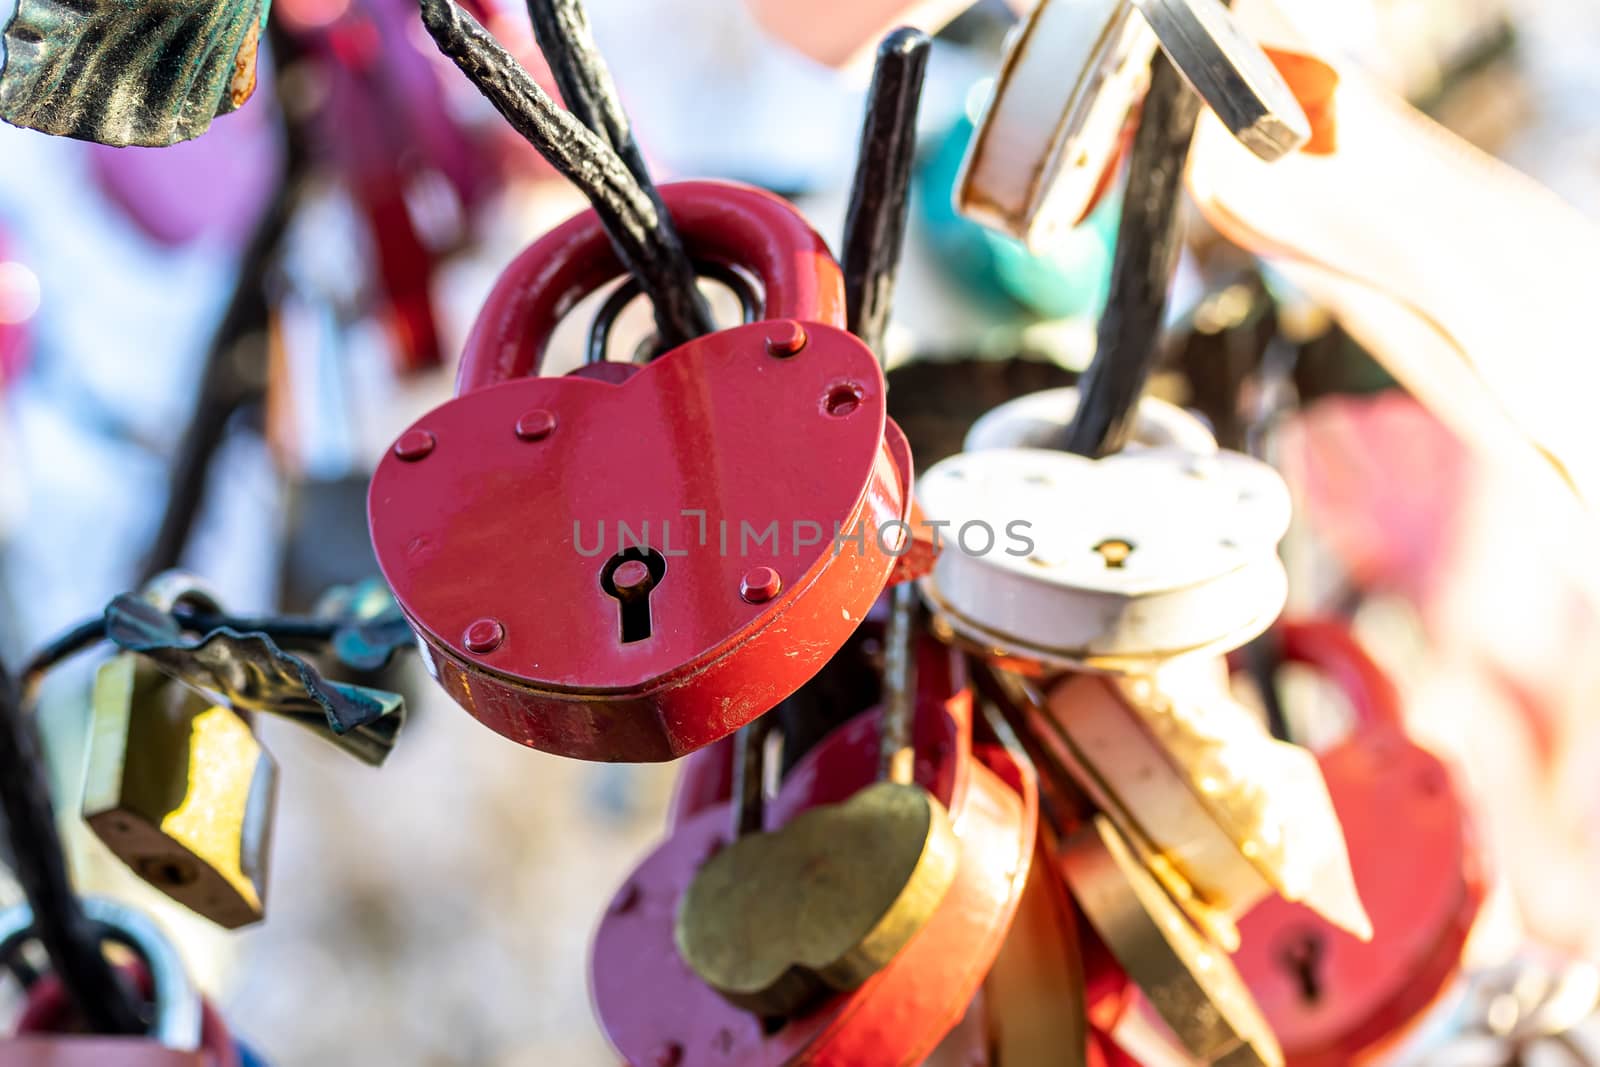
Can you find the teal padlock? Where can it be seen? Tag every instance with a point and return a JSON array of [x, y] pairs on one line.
[[1068, 282]]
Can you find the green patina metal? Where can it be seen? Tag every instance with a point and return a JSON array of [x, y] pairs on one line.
[[128, 72], [253, 673]]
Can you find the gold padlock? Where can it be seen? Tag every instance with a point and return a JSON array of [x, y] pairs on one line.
[[181, 790]]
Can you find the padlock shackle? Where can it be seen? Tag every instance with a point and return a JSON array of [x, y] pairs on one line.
[[179, 1014], [1328, 646], [728, 223]]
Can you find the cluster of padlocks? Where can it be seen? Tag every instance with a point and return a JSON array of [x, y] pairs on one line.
[[969, 772]]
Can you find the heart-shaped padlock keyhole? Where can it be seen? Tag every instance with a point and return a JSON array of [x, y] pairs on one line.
[[1328, 995]]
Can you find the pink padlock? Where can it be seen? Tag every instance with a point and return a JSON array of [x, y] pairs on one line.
[[655, 1010]]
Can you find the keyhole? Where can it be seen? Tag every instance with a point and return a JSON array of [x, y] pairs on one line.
[[167, 870], [1114, 552], [631, 576], [1302, 958]]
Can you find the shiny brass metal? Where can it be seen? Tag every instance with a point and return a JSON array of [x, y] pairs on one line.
[[1187, 979], [775, 920], [1037, 1012], [181, 791]]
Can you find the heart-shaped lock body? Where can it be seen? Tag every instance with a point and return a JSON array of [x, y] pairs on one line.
[[1151, 552], [631, 570], [823, 902], [654, 1009], [1330, 997]]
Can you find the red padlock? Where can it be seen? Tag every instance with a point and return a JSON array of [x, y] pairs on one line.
[[630, 569], [1329, 997], [46, 1038], [655, 1010], [184, 1032]]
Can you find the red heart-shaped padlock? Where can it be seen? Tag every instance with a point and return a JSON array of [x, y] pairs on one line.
[[655, 1010], [1328, 996], [632, 568]]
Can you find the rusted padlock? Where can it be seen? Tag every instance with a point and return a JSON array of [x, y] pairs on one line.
[[630, 563], [654, 1010], [1329, 996], [185, 1032]]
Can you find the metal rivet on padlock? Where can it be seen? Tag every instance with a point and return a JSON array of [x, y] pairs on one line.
[[1048, 144], [1188, 981], [180, 789], [1329, 996], [708, 465], [175, 1037], [863, 877], [645, 997], [1165, 548]]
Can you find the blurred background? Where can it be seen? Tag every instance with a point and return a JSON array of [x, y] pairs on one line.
[[437, 911]]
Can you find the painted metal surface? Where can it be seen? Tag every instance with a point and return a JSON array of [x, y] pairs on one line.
[[1329, 996], [743, 451], [1167, 547], [653, 1008]]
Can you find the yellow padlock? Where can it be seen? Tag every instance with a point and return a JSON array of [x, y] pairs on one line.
[[181, 790]]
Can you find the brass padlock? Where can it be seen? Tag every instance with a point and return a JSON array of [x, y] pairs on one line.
[[181, 790]]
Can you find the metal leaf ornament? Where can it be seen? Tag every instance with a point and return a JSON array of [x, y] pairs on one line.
[[371, 627], [253, 673], [128, 72]]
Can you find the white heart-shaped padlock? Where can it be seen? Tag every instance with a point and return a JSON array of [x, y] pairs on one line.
[[1162, 549]]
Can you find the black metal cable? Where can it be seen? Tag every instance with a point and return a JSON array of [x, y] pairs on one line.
[[599, 340], [874, 228], [627, 211], [85, 635], [69, 938], [1148, 240], [562, 29], [234, 373], [749, 778]]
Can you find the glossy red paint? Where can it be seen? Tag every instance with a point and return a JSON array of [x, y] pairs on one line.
[[1415, 862], [719, 221], [648, 999], [720, 457]]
